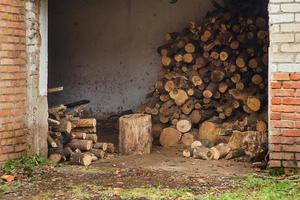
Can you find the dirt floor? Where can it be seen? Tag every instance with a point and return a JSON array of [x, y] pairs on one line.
[[164, 168]]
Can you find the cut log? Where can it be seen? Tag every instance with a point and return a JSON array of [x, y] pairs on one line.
[[156, 130], [235, 141], [261, 126], [210, 90], [169, 86], [100, 145], [187, 153], [53, 122], [187, 139], [55, 109], [184, 125], [218, 152], [196, 144], [55, 158], [201, 152], [54, 90], [235, 154], [188, 107], [84, 123], [255, 145], [81, 159], [135, 135], [67, 152], [179, 96], [85, 130], [51, 141], [169, 137], [84, 145], [92, 137], [98, 152], [212, 132], [64, 126], [253, 103], [110, 148], [78, 135], [195, 116]]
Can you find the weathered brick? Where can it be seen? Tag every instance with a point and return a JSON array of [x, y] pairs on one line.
[[290, 116], [274, 8], [291, 148], [288, 67], [276, 100], [283, 124], [291, 84], [282, 156], [283, 57], [290, 101], [283, 17], [290, 27], [282, 140], [291, 132], [282, 37], [290, 7], [295, 77], [285, 108], [290, 47], [274, 163], [291, 164], [275, 116], [280, 76], [275, 85]]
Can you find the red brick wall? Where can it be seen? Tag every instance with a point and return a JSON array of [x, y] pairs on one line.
[[13, 132], [285, 120]]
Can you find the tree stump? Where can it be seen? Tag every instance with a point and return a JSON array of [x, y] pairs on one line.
[[135, 135]]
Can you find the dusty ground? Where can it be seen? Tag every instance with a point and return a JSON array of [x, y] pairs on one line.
[[163, 169]]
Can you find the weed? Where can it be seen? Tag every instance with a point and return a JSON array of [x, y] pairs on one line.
[[24, 163]]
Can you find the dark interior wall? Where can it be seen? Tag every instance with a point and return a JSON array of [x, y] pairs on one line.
[[105, 51]]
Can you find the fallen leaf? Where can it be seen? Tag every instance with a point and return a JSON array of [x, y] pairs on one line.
[[8, 178]]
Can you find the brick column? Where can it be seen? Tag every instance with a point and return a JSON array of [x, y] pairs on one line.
[[285, 83], [13, 133]]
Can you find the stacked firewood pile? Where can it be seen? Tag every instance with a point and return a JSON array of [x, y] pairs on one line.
[[214, 78], [74, 138]]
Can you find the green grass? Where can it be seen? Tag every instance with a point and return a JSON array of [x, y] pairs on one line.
[[261, 188]]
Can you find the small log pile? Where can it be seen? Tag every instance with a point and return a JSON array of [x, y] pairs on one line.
[[252, 145], [215, 73], [72, 138]]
